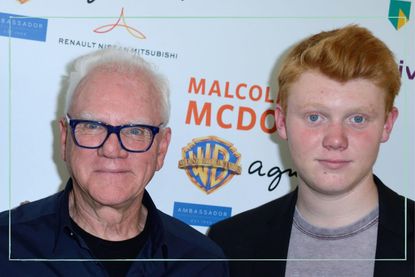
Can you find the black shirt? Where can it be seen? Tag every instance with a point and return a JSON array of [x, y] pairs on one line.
[[106, 249]]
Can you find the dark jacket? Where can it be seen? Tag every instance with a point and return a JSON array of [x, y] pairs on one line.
[[264, 233], [39, 240]]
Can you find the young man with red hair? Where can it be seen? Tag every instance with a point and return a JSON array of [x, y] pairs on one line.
[[335, 108]]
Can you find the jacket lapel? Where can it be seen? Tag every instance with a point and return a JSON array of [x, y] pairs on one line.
[[273, 245]]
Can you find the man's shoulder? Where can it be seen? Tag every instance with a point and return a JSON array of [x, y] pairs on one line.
[[392, 207], [29, 212], [409, 205], [187, 240], [392, 202], [257, 232]]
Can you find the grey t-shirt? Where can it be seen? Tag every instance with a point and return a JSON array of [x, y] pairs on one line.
[[344, 251]]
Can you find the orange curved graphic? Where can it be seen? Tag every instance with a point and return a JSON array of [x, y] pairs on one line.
[[109, 27]]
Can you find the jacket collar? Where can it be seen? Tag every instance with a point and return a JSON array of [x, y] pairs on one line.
[[392, 221], [155, 247]]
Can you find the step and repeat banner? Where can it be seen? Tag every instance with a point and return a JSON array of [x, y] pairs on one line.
[[220, 58]]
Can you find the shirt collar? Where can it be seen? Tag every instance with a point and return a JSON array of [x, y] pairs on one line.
[[63, 220], [157, 239], [155, 247]]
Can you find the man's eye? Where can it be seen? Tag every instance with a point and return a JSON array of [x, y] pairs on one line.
[[358, 119], [313, 118], [92, 126], [135, 131], [89, 128]]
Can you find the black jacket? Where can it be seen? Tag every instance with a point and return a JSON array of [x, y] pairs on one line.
[[264, 233], [43, 242]]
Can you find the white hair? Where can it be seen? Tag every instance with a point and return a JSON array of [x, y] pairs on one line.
[[123, 61]]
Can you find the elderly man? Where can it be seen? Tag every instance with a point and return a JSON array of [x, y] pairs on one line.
[[113, 138], [336, 94]]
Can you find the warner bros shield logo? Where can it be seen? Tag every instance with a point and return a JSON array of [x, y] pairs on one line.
[[210, 162]]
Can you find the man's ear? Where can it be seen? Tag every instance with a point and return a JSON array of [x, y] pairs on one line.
[[389, 122], [280, 122], [163, 147], [63, 128]]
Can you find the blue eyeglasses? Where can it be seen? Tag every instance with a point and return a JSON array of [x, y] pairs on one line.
[[93, 134]]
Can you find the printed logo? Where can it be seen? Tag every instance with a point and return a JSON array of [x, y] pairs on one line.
[[200, 215], [210, 162], [120, 23], [399, 12], [19, 26]]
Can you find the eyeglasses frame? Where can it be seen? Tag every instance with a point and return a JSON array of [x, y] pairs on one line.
[[111, 129]]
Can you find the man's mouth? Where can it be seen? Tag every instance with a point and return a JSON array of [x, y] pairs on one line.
[[334, 164]]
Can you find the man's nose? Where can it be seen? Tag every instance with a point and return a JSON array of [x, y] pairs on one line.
[[112, 148], [336, 137]]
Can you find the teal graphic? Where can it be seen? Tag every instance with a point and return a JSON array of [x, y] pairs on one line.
[[399, 12]]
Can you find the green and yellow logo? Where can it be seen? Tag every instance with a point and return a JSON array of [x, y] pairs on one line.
[[399, 12]]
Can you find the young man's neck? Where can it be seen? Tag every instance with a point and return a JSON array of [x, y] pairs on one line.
[[333, 211]]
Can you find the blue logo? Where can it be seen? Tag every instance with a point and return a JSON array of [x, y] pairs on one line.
[[200, 215], [18, 26]]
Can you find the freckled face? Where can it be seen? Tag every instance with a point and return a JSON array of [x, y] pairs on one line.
[[334, 131], [110, 175]]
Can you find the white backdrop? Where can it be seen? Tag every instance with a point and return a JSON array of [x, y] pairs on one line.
[[229, 45]]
